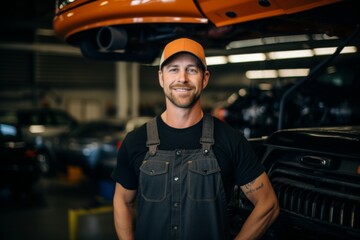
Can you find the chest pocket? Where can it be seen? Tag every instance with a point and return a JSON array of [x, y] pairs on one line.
[[204, 180], [153, 180]]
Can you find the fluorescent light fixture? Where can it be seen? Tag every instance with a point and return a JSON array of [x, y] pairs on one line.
[[44, 32], [323, 37], [256, 57], [286, 39], [252, 57], [259, 74], [331, 50], [267, 41], [217, 60], [290, 54], [349, 49], [245, 43], [324, 51], [297, 72]]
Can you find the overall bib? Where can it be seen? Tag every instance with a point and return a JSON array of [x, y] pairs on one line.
[[181, 194]]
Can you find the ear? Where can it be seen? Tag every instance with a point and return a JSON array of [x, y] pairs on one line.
[[206, 79], [161, 79]]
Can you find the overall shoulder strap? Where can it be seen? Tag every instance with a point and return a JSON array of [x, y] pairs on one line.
[[153, 140], [207, 138]]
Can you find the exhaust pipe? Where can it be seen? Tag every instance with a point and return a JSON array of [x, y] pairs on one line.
[[90, 49], [111, 38]]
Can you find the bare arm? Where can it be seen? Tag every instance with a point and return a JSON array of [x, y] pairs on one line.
[[124, 212], [266, 208]]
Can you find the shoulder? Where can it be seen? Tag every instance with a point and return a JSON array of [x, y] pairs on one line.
[[136, 137], [224, 130], [133, 147], [229, 140]]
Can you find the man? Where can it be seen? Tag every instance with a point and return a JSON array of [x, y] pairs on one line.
[[180, 168]]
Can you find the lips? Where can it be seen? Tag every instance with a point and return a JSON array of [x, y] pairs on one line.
[[181, 88]]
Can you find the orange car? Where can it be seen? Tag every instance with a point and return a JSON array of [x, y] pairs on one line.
[[135, 30]]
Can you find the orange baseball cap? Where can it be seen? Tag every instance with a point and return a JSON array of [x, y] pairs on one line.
[[183, 45]]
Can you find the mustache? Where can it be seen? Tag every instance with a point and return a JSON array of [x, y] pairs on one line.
[[181, 85]]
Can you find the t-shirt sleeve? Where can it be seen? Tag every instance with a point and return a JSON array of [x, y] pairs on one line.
[[248, 166], [124, 171]]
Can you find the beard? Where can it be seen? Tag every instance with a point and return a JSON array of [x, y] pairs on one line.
[[187, 100]]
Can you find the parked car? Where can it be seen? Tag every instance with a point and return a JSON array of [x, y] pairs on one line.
[[19, 167], [316, 176], [38, 127], [89, 145]]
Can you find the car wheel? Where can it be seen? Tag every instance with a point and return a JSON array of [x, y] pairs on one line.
[[44, 163]]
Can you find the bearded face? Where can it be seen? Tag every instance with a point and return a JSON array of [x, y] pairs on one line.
[[182, 95], [183, 80]]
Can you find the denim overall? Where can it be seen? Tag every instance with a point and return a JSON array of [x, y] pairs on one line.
[[181, 194]]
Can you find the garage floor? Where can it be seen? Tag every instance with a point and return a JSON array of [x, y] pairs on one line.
[[68, 207]]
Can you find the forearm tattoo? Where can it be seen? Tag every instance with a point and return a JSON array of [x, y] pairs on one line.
[[250, 188]]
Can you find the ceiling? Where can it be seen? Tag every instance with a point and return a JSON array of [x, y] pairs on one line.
[[21, 20]]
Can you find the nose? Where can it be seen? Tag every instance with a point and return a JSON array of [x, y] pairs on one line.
[[182, 76]]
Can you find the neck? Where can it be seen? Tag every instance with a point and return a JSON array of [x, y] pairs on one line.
[[182, 118]]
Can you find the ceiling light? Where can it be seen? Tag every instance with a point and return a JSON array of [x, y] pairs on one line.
[[290, 54], [252, 57], [286, 39], [217, 60], [349, 49], [245, 43], [323, 37], [331, 50], [267, 41], [297, 72], [259, 74], [44, 32]]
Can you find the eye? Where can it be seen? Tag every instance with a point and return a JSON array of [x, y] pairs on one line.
[[173, 69], [192, 70]]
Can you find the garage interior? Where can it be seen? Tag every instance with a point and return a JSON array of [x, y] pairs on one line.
[[39, 70]]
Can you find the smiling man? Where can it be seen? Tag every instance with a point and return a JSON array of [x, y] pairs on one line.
[[179, 169]]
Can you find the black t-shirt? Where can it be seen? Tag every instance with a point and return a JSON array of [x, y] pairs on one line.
[[237, 160]]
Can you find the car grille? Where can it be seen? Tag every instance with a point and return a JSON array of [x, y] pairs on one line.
[[324, 196], [319, 206]]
